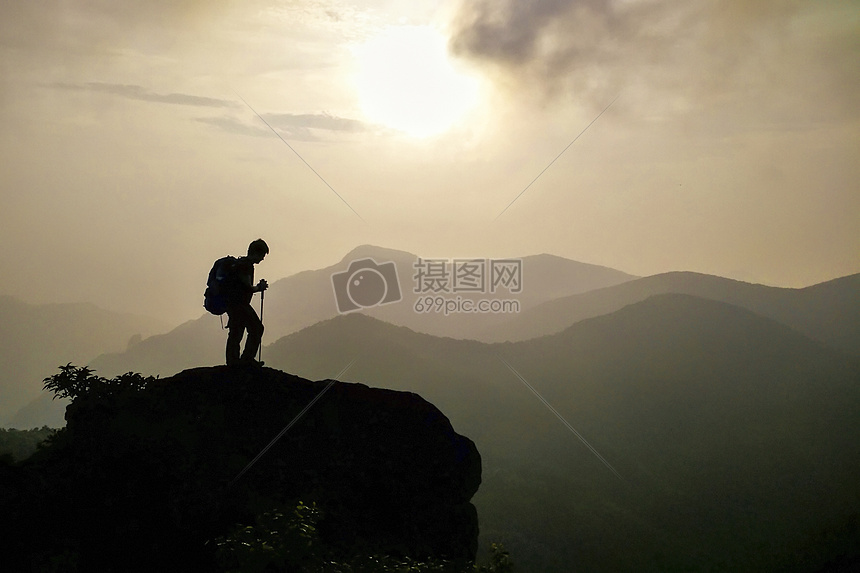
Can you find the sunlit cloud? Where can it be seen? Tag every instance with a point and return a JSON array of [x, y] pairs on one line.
[[315, 121], [298, 127]]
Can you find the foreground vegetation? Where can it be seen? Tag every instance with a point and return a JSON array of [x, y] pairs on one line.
[[114, 491], [21, 444], [289, 541]]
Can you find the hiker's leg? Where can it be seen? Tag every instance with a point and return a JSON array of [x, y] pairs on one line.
[[255, 333], [235, 328], [234, 338]]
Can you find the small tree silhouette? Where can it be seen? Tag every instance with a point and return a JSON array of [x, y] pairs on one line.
[[75, 382]]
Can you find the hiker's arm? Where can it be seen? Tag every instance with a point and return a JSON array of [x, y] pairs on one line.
[[261, 286]]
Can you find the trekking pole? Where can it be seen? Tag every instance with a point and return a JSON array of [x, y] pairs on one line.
[[260, 354]]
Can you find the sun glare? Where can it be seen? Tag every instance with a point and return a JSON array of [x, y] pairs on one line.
[[406, 81]]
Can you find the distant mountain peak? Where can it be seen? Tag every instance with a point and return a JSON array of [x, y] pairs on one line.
[[375, 252]]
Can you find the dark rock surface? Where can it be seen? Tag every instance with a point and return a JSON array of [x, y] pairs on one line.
[[141, 475]]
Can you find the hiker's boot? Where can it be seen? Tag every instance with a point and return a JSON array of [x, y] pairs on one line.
[[251, 362]]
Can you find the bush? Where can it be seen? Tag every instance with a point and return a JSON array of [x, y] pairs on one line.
[[289, 541], [75, 382]]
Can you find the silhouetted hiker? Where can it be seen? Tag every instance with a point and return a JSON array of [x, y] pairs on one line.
[[230, 289]]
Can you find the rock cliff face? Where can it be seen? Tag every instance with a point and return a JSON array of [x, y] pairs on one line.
[[138, 476]]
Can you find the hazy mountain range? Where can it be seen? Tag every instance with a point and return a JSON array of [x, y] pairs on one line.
[[36, 339], [829, 312], [306, 298]]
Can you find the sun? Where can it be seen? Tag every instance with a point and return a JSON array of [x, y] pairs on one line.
[[406, 81]]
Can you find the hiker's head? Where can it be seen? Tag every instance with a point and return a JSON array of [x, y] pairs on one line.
[[258, 250]]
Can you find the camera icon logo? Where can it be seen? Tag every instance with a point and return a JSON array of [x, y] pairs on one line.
[[365, 284]]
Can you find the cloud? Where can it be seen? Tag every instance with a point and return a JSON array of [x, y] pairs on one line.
[[679, 56], [316, 121], [140, 93], [563, 35], [293, 127], [234, 126]]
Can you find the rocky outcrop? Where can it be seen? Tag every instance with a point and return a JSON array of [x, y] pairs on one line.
[[139, 475]]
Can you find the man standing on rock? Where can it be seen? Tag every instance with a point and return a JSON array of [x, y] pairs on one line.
[[239, 289]]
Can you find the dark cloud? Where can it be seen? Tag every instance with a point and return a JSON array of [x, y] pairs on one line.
[[562, 34], [685, 55], [510, 31], [135, 92]]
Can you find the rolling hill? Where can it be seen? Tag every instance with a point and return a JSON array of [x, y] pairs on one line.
[[734, 436], [829, 312]]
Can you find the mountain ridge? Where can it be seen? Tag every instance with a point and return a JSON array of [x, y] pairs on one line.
[[828, 311], [305, 298]]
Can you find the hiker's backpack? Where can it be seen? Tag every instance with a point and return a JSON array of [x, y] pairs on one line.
[[219, 284]]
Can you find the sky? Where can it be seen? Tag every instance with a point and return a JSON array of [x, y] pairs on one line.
[[143, 139]]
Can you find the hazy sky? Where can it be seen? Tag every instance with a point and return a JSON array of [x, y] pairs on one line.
[[130, 162]]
